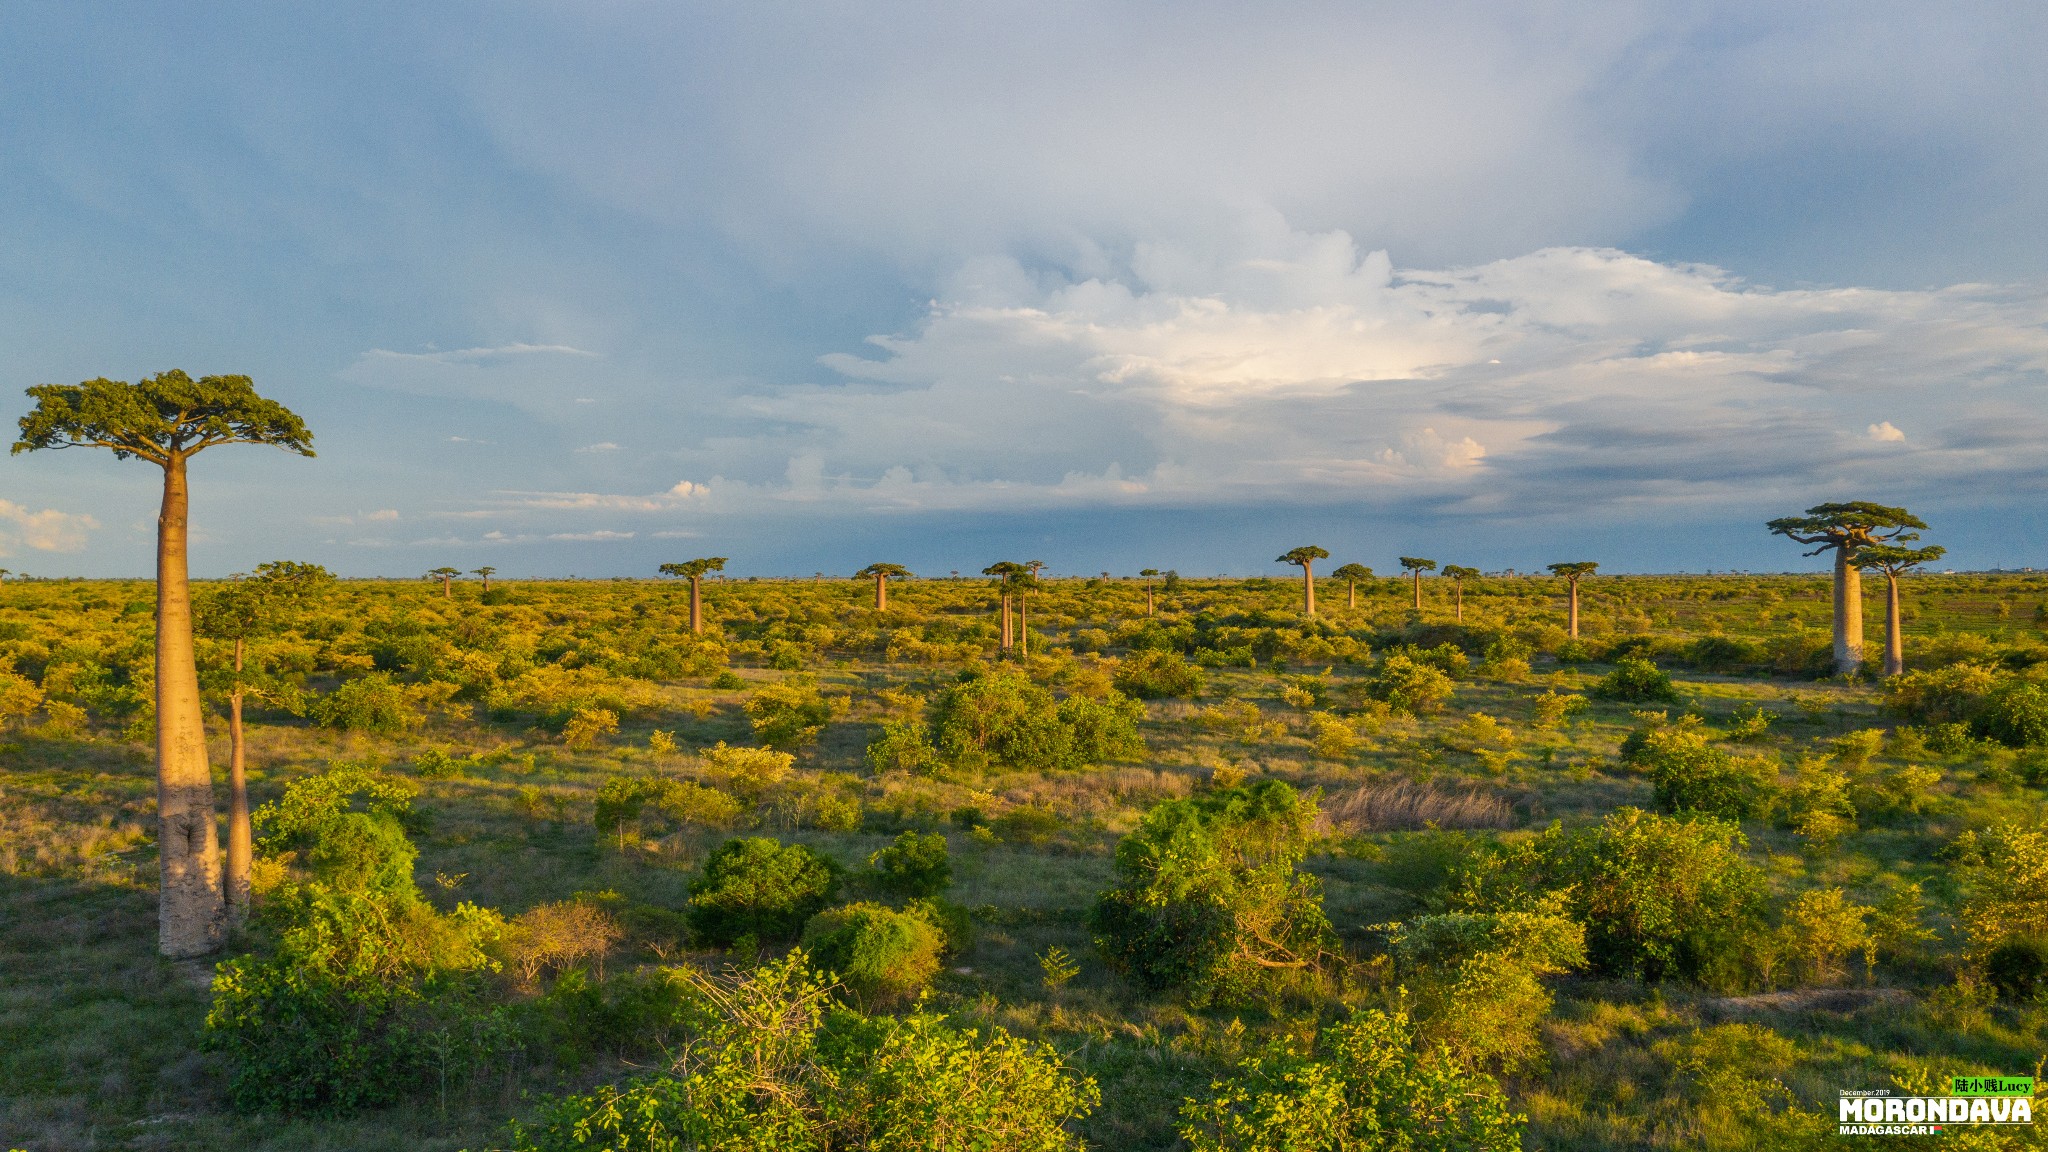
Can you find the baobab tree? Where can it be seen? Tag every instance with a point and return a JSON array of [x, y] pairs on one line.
[[447, 578], [880, 574], [1457, 574], [485, 573], [1846, 529], [1007, 573], [1149, 574], [167, 419], [1305, 556], [1351, 575], [244, 608], [1024, 586], [1415, 566], [693, 571], [1895, 562], [1573, 572]]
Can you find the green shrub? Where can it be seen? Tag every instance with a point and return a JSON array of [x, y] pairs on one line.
[[1691, 775], [1636, 679], [2015, 715], [1661, 898], [1408, 686], [755, 886], [787, 716], [369, 993], [1207, 897], [1719, 653], [373, 702], [1361, 1086], [768, 1064], [881, 955], [902, 747], [1004, 719], [1158, 674], [1475, 979], [1949, 695], [915, 865]]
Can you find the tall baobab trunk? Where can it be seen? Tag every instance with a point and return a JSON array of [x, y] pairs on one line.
[[240, 851], [881, 593], [1894, 639], [447, 588], [696, 605], [1351, 593], [1572, 613], [1418, 591], [1848, 613], [189, 913], [1148, 599], [1458, 597], [1308, 589], [1004, 606]]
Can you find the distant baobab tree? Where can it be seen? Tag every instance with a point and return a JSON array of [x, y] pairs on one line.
[[1306, 557], [447, 578], [1149, 574], [1895, 562], [1007, 573], [1847, 529], [167, 419], [1024, 586], [1415, 566], [1574, 572], [1457, 574], [880, 574], [693, 571], [485, 573], [272, 600], [1352, 575]]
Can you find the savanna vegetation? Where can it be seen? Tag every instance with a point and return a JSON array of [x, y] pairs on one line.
[[1470, 862]]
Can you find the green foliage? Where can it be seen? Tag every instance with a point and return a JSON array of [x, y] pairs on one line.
[[373, 702], [765, 1063], [369, 991], [1661, 898], [1004, 719], [159, 416], [1409, 686], [760, 888], [624, 804], [2015, 715], [1476, 981], [1207, 898], [1157, 674], [902, 747], [1691, 775], [1361, 1086], [2005, 908], [788, 716], [881, 955], [915, 865], [1636, 679]]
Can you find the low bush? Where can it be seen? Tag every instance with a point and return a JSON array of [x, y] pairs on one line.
[[788, 716], [916, 865], [881, 955], [758, 887], [1155, 675], [1636, 679], [1408, 686], [1363, 1085], [373, 702]]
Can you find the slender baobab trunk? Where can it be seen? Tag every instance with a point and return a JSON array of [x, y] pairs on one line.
[[1148, 600], [1458, 597], [1351, 593], [1004, 606], [1572, 614], [189, 909], [240, 851], [1894, 639], [881, 593], [1308, 590], [447, 588], [1848, 614], [1418, 592], [696, 605]]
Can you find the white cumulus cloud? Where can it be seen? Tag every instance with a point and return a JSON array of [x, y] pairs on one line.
[[48, 530]]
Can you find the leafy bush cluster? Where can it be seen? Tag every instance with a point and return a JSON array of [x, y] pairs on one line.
[[1004, 720]]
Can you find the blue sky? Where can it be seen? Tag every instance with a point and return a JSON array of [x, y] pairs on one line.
[[584, 287]]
